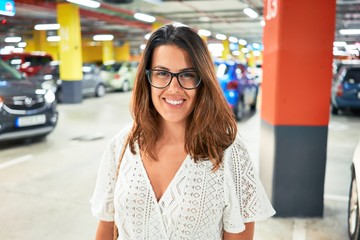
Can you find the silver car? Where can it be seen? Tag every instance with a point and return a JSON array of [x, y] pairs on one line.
[[353, 209]]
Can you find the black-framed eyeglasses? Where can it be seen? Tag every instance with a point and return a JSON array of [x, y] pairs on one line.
[[162, 78]]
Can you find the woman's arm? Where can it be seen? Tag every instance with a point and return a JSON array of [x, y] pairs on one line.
[[247, 234], [105, 231]]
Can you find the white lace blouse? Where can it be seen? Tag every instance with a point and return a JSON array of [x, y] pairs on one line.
[[197, 205]]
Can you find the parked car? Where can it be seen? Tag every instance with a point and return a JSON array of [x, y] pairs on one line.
[[29, 63], [26, 109], [92, 83], [239, 87], [120, 75], [345, 94], [353, 207]]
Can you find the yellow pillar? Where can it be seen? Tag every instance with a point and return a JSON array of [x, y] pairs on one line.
[[123, 52], [70, 54], [226, 52], [204, 38], [40, 41], [251, 59], [107, 51]]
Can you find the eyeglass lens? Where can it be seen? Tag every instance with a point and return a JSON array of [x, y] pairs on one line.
[[162, 78]]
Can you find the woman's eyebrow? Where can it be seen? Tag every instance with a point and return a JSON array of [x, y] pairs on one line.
[[181, 70]]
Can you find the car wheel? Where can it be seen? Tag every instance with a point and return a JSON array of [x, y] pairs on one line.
[[239, 110], [100, 90], [334, 110], [126, 86], [353, 210]]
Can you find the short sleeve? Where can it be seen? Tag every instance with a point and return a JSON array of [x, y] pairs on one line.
[[102, 200], [245, 197]]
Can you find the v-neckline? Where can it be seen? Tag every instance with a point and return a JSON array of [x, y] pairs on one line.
[[169, 185]]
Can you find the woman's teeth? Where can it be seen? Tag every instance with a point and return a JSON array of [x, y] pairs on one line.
[[174, 102]]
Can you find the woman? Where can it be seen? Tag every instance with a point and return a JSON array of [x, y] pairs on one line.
[[184, 174]]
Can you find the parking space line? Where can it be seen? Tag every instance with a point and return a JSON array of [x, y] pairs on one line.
[[299, 230], [16, 161], [336, 198]]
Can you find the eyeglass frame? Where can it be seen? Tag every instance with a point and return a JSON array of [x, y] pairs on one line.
[[176, 75]]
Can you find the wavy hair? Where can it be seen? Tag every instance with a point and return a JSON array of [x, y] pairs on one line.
[[210, 127]]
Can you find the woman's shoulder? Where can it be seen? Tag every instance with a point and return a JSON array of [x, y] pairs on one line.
[[120, 137], [237, 151]]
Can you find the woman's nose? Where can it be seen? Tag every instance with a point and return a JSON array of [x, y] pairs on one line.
[[174, 84]]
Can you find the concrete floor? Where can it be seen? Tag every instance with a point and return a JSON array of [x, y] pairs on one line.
[[45, 187]]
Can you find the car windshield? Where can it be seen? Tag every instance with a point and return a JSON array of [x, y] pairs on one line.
[[353, 76], [9, 73]]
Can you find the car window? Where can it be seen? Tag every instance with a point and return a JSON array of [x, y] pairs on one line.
[[9, 73], [352, 76], [37, 60]]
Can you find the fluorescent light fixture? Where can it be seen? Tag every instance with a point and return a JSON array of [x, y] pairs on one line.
[[53, 26], [144, 17], [233, 39], [250, 13], [216, 49], [236, 53], [204, 19], [147, 36], [349, 31], [220, 36], [262, 23], [244, 50], [339, 44], [86, 3], [22, 44], [12, 39], [18, 50], [256, 53], [142, 46], [53, 38], [203, 32], [256, 46], [103, 37], [242, 42]]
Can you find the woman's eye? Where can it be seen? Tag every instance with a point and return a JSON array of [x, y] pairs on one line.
[[162, 74], [188, 75]]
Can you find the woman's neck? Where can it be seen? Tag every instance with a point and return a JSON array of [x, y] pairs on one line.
[[172, 133]]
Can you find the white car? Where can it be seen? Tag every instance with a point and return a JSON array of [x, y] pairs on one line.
[[353, 209]]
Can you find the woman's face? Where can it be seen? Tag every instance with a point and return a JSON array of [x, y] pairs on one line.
[[173, 103]]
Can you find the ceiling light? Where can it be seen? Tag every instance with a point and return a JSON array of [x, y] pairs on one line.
[[103, 37], [339, 44], [242, 42], [144, 17], [220, 36], [203, 32], [86, 3], [12, 39], [251, 13], [262, 23], [53, 38], [349, 31], [147, 36], [54, 26], [142, 46], [22, 44], [233, 39], [204, 19]]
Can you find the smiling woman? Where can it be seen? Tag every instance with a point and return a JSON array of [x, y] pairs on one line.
[[180, 171]]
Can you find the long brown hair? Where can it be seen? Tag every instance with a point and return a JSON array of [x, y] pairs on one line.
[[210, 128]]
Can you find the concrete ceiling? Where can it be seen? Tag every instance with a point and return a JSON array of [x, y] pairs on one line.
[[217, 16]]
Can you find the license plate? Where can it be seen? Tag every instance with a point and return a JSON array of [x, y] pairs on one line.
[[30, 120]]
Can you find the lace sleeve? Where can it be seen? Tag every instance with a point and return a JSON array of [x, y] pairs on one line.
[[102, 200], [245, 198]]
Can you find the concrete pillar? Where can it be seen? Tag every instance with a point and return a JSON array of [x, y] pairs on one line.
[[297, 72], [70, 55]]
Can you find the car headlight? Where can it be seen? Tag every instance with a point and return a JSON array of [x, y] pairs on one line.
[[49, 96]]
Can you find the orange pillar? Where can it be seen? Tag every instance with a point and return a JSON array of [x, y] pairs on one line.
[[297, 62]]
